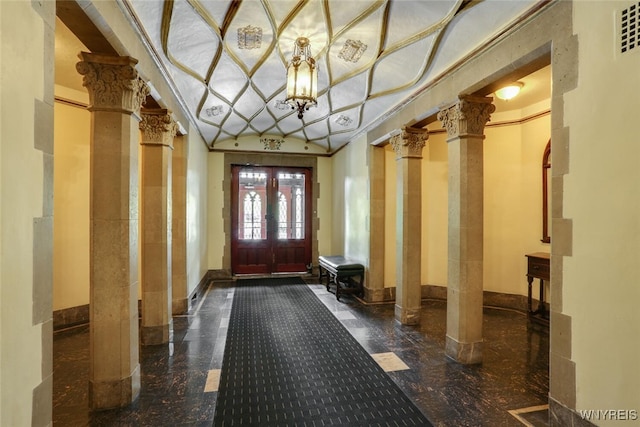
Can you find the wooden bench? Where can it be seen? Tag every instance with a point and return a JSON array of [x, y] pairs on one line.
[[342, 272]]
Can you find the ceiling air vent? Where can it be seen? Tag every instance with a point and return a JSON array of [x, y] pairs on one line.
[[629, 27]]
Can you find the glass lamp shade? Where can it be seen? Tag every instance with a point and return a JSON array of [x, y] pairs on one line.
[[302, 78], [509, 92]]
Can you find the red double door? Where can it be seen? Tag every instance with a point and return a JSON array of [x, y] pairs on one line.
[[270, 219]]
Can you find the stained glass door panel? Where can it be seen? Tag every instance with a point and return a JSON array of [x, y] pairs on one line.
[[250, 243], [292, 249]]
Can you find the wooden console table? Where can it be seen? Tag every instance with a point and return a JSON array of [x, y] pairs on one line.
[[538, 267]]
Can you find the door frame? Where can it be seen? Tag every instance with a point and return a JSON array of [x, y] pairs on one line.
[[272, 160], [270, 254]]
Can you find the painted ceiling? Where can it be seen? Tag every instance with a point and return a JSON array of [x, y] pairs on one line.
[[226, 60]]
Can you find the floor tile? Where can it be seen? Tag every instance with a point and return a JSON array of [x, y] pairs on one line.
[[534, 416], [213, 381], [344, 315], [389, 362]]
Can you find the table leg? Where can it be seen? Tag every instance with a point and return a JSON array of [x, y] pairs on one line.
[[529, 281], [541, 308]]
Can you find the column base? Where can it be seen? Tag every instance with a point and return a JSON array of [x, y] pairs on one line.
[[179, 306], [154, 335], [462, 352], [407, 316], [378, 295], [115, 393]]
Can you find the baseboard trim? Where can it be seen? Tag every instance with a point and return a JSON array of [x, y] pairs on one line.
[[198, 293], [70, 317], [560, 415], [221, 274], [490, 298], [76, 316]]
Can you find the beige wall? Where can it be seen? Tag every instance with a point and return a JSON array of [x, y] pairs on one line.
[[351, 201], [197, 202], [26, 211], [71, 219], [72, 126], [435, 210], [215, 215], [513, 198], [390, 229], [602, 198], [216, 237], [338, 202], [512, 202], [325, 207]]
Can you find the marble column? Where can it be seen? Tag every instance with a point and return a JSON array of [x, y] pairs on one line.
[[408, 146], [116, 93], [465, 121], [158, 130], [374, 285], [179, 227]]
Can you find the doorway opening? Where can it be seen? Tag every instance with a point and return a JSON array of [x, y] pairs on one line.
[[270, 219]]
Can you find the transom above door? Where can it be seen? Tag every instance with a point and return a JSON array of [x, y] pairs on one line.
[[270, 219]]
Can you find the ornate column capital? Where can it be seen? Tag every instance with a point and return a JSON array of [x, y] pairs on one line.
[[158, 127], [409, 142], [113, 83], [467, 117]]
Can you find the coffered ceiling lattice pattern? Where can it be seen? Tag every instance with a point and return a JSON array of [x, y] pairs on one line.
[[227, 59]]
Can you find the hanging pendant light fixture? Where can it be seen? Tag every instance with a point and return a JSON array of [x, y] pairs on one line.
[[302, 78]]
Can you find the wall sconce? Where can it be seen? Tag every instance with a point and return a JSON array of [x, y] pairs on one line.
[[510, 91]]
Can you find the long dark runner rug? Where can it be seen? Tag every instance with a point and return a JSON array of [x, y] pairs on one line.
[[288, 361]]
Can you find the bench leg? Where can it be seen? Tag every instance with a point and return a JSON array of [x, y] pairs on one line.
[[332, 278], [352, 283], [360, 287]]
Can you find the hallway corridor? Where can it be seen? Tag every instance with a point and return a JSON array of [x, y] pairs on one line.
[[179, 380]]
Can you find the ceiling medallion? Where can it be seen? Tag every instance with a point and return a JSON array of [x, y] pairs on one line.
[[352, 50], [249, 37], [282, 105], [271, 143], [302, 78], [216, 110], [343, 120]]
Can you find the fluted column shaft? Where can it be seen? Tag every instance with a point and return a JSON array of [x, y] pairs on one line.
[[116, 94], [465, 122], [408, 146], [158, 130]]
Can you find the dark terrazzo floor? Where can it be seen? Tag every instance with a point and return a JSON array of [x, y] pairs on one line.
[[513, 375]]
